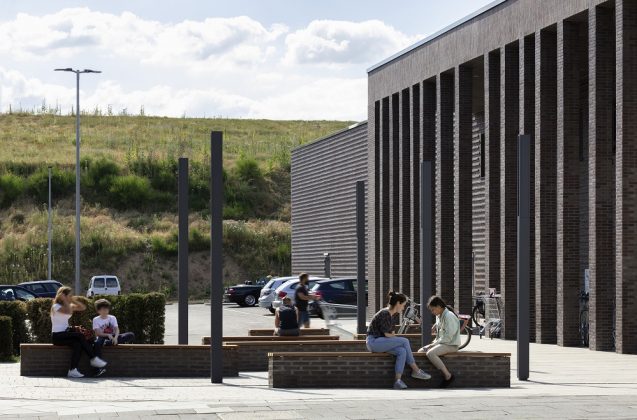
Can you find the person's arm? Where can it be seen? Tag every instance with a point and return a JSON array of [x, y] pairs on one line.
[[76, 305], [277, 321], [388, 326], [298, 315], [449, 329]]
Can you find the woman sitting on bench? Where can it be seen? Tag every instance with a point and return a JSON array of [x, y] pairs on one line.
[[381, 339]]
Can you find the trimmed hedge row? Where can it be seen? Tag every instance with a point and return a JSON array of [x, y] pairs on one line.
[[6, 339], [142, 314], [17, 311]]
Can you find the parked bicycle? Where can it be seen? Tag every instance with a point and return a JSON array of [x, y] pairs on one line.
[[411, 315], [486, 313], [583, 318]]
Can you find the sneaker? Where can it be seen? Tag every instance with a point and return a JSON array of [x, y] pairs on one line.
[[99, 372], [421, 374], [399, 384], [96, 362], [446, 382], [74, 373]]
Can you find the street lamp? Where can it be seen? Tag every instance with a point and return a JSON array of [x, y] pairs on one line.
[[77, 170]]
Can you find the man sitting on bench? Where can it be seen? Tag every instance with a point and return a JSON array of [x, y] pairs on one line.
[[286, 319]]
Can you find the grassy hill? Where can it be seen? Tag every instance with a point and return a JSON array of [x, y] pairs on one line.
[[129, 225]]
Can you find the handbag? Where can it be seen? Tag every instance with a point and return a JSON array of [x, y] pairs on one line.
[[89, 335]]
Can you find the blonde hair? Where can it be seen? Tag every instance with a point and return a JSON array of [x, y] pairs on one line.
[[64, 290]]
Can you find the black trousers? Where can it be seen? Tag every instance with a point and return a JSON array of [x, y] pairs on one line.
[[77, 342]]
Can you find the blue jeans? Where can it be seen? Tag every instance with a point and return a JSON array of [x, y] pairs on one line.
[[304, 317], [125, 338], [398, 346]]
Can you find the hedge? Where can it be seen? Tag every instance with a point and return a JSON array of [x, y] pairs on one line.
[[142, 314], [17, 311], [6, 339]]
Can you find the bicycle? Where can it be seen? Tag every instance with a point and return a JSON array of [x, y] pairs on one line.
[[483, 315], [583, 318], [411, 315]]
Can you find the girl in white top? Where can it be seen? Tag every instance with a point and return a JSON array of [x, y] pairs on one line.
[[64, 304]]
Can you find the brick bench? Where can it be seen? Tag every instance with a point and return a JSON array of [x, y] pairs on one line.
[[129, 360], [304, 331], [376, 370], [415, 340], [252, 356], [205, 340]]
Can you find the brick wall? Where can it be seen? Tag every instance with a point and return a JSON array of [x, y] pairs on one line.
[[304, 331], [405, 196], [135, 360], [414, 191], [428, 150], [205, 340], [376, 370]]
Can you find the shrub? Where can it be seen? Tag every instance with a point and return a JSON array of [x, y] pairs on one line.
[[6, 340], [62, 184], [100, 174], [11, 186], [17, 311], [155, 314], [129, 191], [38, 313], [135, 317], [248, 170], [84, 318]]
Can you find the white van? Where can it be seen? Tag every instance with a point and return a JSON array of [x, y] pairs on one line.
[[104, 285]]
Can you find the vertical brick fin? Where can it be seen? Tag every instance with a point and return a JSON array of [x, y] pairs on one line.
[[404, 216], [509, 114], [444, 186], [462, 188], [601, 176], [492, 168], [394, 199], [571, 68], [385, 250], [527, 126], [416, 141], [626, 302], [545, 185], [428, 153], [374, 212]]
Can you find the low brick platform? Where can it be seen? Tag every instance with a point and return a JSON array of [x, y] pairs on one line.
[[205, 340], [252, 356], [376, 370], [304, 331], [129, 360], [415, 340]]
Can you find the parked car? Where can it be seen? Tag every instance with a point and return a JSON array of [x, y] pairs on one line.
[[337, 291], [104, 284], [42, 288], [11, 293], [288, 288], [268, 294], [245, 294]]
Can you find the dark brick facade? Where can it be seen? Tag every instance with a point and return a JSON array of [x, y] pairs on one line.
[[376, 370], [129, 360], [304, 331]]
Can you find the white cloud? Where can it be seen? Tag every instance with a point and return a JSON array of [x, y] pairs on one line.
[[341, 42]]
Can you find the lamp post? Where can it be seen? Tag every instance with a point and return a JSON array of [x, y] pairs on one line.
[[77, 170], [49, 229]]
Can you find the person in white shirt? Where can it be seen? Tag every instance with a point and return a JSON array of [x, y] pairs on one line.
[[106, 328], [64, 304]]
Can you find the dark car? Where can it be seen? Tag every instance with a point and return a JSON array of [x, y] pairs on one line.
[[11, 293], [336, 291], [246, 294], [42, 288]]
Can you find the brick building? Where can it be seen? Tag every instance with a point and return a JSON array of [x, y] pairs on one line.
[[323, 199], [563, 72]]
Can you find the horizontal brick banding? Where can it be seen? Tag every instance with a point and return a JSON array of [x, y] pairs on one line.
[[376, 370], [252, 356], [129, 360], [415, 340], [304, 331], [205, 340]]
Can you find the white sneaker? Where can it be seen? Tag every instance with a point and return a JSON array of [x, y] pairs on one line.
[[420, 374], [399, 384], [74, 373], [96, 362]]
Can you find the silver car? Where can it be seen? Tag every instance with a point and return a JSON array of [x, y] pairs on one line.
[[267, 293], [289, 287]]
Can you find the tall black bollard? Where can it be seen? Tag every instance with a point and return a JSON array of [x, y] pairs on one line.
[[360, 258], [182, 259], [524, 237], [426, 245], [216, 256]]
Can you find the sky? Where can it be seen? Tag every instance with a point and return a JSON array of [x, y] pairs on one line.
[[274, 59]]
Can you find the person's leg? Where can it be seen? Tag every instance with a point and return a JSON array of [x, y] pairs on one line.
[[69, 339], [97, 346], [391, 345], [434, 353], [126, 338], [77, 353], [401, 356]]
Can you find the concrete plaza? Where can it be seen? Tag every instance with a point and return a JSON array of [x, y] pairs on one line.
[[564, 383]]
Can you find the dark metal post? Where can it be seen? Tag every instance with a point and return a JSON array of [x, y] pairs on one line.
[[182, 198], [360, 258], [216, 257], [426, 245], [327, 265], [524, 236]]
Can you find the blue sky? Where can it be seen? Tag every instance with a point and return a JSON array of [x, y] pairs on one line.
[[242, 58]]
